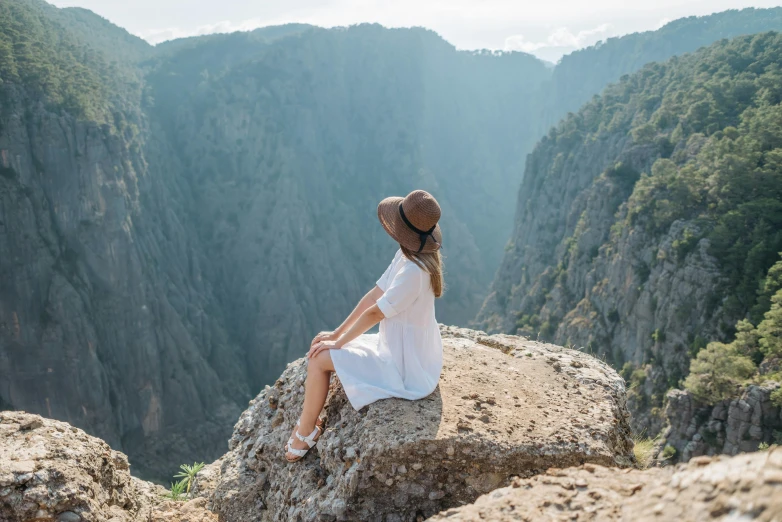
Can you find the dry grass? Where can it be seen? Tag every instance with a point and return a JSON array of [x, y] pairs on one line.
[[643, 449]]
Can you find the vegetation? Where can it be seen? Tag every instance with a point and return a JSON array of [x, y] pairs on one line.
[[181, 489], [720, 370], [643, 449], [717, 373], [583, 73], [177, 491], [188, 473], [669, 452], [39, 54]]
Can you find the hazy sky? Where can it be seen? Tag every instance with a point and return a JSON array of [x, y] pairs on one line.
[[547, 28]]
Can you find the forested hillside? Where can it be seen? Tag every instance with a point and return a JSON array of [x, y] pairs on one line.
[[584, 73], [649, 220]]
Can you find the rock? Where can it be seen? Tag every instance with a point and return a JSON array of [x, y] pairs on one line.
[[64, 475], [726, 428], [747, 487], [443, 464]]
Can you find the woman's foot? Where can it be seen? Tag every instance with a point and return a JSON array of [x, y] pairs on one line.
[[301, 444], [292, 438]]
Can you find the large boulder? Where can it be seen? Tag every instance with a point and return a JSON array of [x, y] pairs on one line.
[[53, 472], [505, 407], [746, 487]]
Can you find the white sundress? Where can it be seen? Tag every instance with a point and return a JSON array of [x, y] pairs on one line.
[[405, 359]]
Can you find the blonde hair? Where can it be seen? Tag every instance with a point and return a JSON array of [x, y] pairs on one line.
[[432, 264]]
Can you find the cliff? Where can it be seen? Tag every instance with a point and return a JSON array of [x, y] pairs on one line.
[[635, 237], [731, 426]]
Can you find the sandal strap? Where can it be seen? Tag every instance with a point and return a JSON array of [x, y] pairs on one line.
[[298, 452], [310, 439]]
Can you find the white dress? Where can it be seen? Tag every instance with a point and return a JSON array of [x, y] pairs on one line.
[[405, 359]]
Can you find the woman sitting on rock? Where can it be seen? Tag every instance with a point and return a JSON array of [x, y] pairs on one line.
[[405, 359]]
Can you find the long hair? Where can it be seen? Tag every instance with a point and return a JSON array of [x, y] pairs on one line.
[[432, 264]]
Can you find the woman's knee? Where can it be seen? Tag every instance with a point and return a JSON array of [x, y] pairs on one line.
[[321, 362]]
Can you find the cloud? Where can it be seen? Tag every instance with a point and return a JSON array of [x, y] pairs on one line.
[[156, 36], [560, 39]]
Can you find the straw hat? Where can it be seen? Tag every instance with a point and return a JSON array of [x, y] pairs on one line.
[[412, 221]]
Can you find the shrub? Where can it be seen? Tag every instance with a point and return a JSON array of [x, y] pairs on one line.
[[669, 452], [717, 373], [776, 398]]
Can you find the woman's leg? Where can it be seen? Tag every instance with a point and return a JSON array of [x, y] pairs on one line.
[[316, 389]]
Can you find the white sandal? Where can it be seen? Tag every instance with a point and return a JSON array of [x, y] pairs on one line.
[[310, 440], [318, 424]]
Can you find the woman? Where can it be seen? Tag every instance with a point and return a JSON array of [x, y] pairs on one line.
[[405, 359]]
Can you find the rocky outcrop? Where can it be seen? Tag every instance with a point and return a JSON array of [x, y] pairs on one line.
[[53, 472], [730, 427], [747, 487], [505, 407]]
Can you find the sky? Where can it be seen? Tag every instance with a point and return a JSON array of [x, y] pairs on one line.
[[548, 28]]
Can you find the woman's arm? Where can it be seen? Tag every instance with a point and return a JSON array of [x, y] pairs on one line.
[[368, 300], [369, 318]]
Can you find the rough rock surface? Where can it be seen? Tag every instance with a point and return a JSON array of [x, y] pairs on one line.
[[747, 487], [729, 427], [505, 407], [51, 471]]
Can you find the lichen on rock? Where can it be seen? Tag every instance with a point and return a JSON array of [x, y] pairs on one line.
[[505, 407]]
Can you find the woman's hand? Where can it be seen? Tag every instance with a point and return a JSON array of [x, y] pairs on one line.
[[320, 346], [324, 336]]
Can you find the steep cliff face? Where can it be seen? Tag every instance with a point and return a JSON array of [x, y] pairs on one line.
[[647, 221], [730, 427], [287, 147], [105, 318]]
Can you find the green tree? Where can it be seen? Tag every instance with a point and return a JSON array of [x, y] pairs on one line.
[[717, 373], [769, 330]]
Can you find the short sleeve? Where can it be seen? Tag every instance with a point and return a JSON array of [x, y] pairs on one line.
[[403, 290], [383, 282]]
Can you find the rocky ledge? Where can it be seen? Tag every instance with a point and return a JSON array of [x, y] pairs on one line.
[[746, 487], [51, 471], [728, 427], [505, 407]]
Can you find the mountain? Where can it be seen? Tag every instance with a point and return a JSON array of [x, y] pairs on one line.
[[287, 146], [582, 74], [648, 221]]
